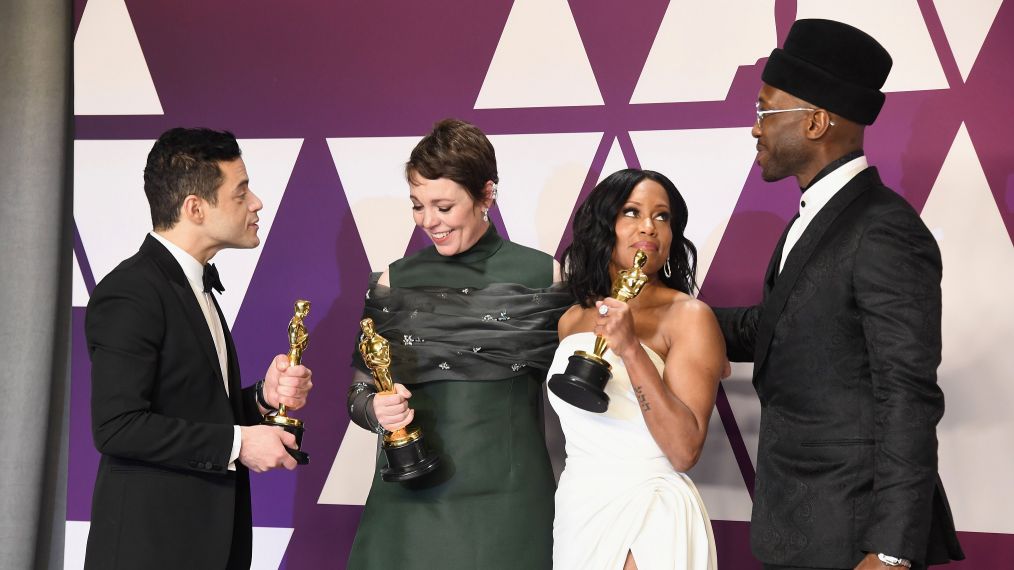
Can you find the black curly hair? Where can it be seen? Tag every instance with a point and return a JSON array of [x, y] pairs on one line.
[[184, 162], [586, 259]]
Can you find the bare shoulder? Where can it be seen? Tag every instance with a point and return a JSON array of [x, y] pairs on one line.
[[570, 321], [688, 315]]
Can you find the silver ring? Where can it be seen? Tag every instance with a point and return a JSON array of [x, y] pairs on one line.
[[603, 310]]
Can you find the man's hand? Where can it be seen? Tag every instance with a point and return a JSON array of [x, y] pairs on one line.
[[284, 384], [263, 448]]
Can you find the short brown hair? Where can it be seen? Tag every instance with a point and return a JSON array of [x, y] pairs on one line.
[[458, 151]]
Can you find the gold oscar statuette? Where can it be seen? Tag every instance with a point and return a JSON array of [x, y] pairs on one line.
[[298, 340], [583, 383], [407, 457]]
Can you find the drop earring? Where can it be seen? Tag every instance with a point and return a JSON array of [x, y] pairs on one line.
[[667, 269], [492, 198]]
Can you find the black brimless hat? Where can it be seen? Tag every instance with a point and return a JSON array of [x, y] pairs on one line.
[[833, 66]]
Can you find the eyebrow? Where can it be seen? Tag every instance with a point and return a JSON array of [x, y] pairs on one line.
[[434, 201]]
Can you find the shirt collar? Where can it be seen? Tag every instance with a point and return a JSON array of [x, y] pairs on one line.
[[832, 166], [821, 192], [191, 267]]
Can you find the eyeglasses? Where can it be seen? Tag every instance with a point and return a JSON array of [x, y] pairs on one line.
[[762, 114]]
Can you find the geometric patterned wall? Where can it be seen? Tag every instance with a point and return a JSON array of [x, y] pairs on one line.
[[328, 98]]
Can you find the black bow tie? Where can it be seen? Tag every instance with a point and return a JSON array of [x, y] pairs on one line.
[[211, 280]]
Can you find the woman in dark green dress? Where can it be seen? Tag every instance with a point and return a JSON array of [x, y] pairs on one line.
[[472, 322]]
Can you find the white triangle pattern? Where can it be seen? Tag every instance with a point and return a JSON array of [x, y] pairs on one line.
[[540, 179], [675, 70], [269, 546], [717, 475], [269, 163], [113, 217], [351, 475], [966, 24], [709, 167], [372, 172], [745, 405], [614, 161], [898, 25], [111, 76], [540, 61], [75, 543], [978, 261], [79, 291], [110, 208]]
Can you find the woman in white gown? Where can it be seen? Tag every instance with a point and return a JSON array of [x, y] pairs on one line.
[[624, 500]]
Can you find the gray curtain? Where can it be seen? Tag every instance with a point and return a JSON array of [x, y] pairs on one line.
[[35, 278]]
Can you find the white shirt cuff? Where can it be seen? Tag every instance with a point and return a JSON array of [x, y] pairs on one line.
[[237, 442]]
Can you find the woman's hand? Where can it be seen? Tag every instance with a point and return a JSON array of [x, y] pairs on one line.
[[615, 324], [391, 408]]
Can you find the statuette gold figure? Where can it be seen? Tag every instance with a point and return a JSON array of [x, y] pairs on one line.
[[299, 338], [407, 456]]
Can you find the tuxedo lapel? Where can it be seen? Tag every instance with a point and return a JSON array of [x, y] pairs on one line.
[[776, 259], [784, 282], [233, 362], [181, 287]]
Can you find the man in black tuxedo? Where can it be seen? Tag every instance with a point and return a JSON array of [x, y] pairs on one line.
[[176, 432], [846, 340]]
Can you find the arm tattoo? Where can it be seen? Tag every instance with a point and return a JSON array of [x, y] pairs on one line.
[[641, 399]]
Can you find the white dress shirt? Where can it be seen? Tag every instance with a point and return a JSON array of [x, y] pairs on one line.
[[816, 197], [195, 275]]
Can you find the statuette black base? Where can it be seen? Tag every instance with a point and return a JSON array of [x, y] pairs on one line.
[[295, 427], [581, 384], [408, 461]]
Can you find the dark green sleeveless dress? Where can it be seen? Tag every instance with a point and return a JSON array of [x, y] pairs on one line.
[[490, 503]]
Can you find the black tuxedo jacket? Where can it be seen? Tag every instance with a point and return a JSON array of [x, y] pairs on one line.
[[164, 425], [845, 346]]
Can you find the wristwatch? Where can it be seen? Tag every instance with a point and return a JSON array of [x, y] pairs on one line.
[[893, 561], [259, 395]]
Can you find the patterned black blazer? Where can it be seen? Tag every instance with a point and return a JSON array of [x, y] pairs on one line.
[[845, 345]]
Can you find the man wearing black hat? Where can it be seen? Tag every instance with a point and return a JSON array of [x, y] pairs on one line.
[[846, 340]]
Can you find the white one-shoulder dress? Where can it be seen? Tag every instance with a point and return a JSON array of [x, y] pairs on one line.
[[618, 492]]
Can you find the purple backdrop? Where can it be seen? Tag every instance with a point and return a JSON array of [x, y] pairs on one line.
[[317, 70]]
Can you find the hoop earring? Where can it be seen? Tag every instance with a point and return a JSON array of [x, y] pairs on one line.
[[485, 214], [667, 269]]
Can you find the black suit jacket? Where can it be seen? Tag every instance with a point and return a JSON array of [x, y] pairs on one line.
[[845, 345], [164, 425]]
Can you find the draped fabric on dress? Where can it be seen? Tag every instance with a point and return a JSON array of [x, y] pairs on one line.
[[474, 334], [618, 492]]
